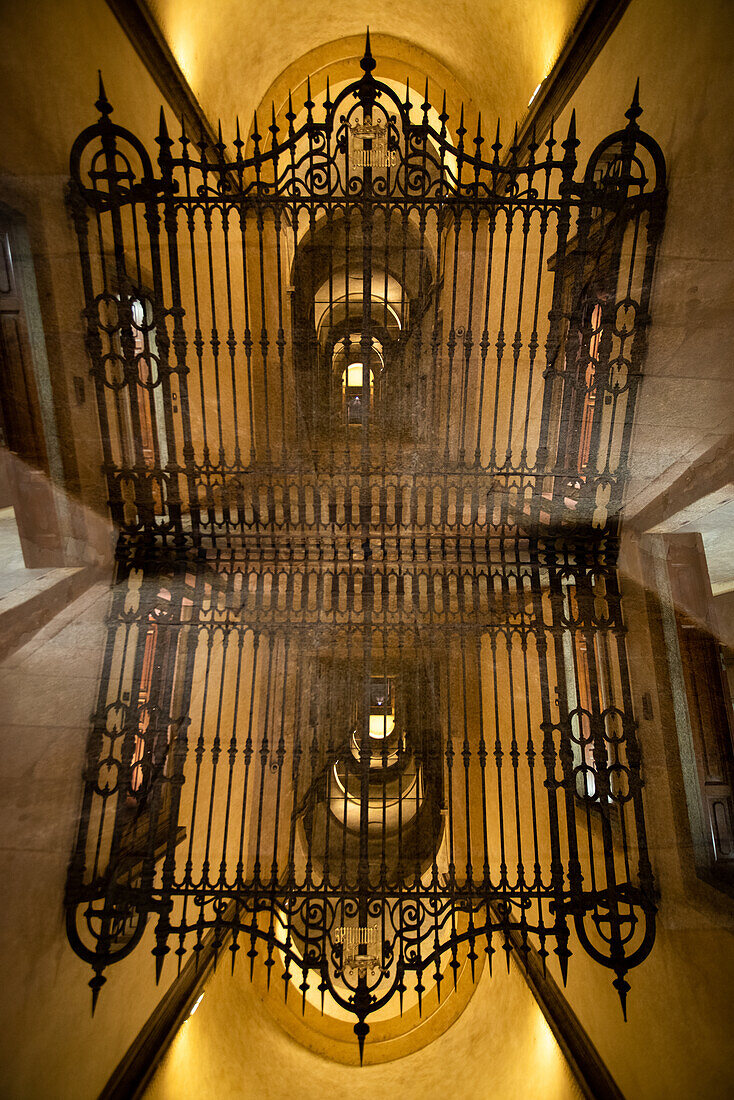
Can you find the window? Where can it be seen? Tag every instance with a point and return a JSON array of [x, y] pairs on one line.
[[353, 392]]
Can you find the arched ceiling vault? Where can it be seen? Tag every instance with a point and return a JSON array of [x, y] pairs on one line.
[[236, 54], [398, 62]]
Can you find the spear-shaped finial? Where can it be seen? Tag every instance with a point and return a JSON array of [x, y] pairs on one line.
[[290, 114], [533, 144], [309, 104], [160, 951], [234, 948], [407, 104], [184, 141], [202, 142], [368, 62], [564, 955], [570, 144], [327, 101], [462, 128], [163, 140], [634, 111], [103, 104], [164, 143], [550, 143], [497, 145], [238, 142], [95, 985], [361, 1029], [623, 987]]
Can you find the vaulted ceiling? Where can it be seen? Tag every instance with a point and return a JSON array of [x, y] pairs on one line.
[[495, 52]]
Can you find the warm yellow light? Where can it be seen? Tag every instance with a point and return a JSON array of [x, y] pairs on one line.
[[532, 98], [381, 725], [183, 48], [195, 1005], [354, 376]]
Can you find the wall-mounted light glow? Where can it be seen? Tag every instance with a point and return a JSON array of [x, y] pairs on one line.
[[381, 725], [532, 98], [355, 375], [195, 1005]]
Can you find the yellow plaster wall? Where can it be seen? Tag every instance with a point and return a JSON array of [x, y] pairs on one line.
[[231, 1048], [499, 50]]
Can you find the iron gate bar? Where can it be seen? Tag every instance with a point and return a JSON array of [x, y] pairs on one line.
[[441, 536], [172, 240], [255, 720]]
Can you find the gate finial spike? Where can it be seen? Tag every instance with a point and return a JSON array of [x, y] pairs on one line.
[[569, 145], [163, 138], [551, 139], [103, 104], [361, 1030], [368, 62], [497, 143], [407, 103], [202, 142], [622, 986], [95, 985], [479, 140], [426, 104], [634, 111], [290, 114]]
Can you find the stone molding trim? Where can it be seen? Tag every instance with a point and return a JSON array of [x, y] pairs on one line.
[[145, 36]]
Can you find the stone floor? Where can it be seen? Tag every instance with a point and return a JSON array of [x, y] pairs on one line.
[[13, 572]]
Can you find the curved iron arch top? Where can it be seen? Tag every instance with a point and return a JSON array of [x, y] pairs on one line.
[[417, 162]]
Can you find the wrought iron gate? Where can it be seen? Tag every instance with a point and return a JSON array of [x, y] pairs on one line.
[[494, 362], [358, 712]]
